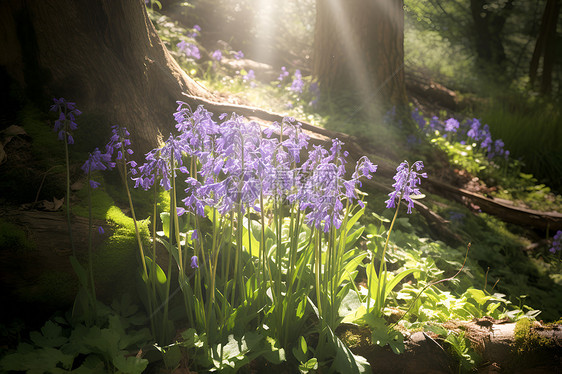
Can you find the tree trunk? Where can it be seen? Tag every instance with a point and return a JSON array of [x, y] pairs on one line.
[[545, 47], [359, 51], [104, 55], [488, 25]]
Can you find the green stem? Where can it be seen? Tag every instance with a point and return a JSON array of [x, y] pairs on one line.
[[90, 266], [68, 194]]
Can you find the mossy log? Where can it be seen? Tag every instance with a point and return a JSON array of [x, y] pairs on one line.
[[500, 348], [41, 275]]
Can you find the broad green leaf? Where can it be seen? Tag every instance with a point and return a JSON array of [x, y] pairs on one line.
[[352, 238], [160, 275], [478, 295], [249, 241], [345, 361], [354, 219], [50, 336], [349, 304], [165, 218], [130, 365], [390, 286], [356, 315]]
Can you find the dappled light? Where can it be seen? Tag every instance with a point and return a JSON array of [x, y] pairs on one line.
[[280, 186]]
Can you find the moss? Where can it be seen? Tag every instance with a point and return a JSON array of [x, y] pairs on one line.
[[526, 339], [101, 203], [13, 238], [116, 262]]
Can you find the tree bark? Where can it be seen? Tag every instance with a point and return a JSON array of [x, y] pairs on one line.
[[359, 52], [488, 25], [545, 47], [104, 55]]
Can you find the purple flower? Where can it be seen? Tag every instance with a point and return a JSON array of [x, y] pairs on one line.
[[120, 145], [217, 55], [196, 31], [284, 74], [162, 164], [297, 85], [557, 242], [451, 125], [101, 230], [194, 262], [190, 50], [407, 178], [65, 124], [238, 55], [418, 118], [96, 161], [250, 75]]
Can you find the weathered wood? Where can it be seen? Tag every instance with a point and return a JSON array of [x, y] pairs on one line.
[[496, 344], [503, 209]]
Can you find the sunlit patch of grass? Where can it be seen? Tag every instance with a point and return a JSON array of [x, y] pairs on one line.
[[532, 131]]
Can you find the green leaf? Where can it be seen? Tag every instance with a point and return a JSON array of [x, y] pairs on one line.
[[345, 361], [354, 219], [80, 271], [478, 295], [311, 364], [36, 361], [394, 282], [165, 218], [249, 241], [160, 275], [130, 365], [352, 238], [51, 336]]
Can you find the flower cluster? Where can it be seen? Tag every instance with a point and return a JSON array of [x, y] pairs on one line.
[[250, 78], [217, 55], [284, 74], [239, 165], [407, 178], [195, 33], [471, 129], [298, 84], [557, 242], [190, 50], [238, 55], [66, 123], [96, 161]]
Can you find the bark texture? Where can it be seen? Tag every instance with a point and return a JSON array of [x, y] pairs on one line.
[[104, 55], [359, 51], [545, 47]]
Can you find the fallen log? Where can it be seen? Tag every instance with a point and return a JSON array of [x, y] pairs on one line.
[[525, 347], [501, 208]]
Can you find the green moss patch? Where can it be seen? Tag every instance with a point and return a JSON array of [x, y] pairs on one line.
[[13, 238]]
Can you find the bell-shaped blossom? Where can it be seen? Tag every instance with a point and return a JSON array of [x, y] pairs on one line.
[[407, 179]]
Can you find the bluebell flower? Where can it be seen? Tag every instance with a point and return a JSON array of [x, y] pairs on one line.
[[298, 85], [194, 262], [120, 145], [557, 242], [101, 231], [196, 31], [284, 74], [238, 55], [158, 165], [249, 77], [406, 180], [418, 118], [451, 125], [66, 123], [190, 50], [217, 55]]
